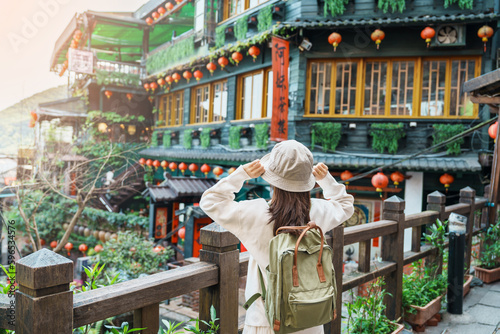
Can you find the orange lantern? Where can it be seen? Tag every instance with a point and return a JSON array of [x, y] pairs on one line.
[[183, 167], [158, 249], [176, 76], [42, 242], [149, 162], [380, 181], [169, 6], [397, 178], [492, 130], [169, 79], [77, 35], [334, 39], [484, 33], [254, 52], [193, 168], [231, 170], [428, 34], [178, 1], [206, 169], [98, 248], [34, 115], [83, 248], [346, 175], [447, 180], [223, 62], [153, 86], [198, 75], [161, 82], [182, 233], [147, 87], [151, 99], [130, 96], [211, 67], [377, 36], [142, 161], [155, 15], [237, 57], [53, 244], [164, 164], [149, 21], [161, 11], [218, 171], [156, 164], [172, 166], [68, 247], [108, 93], [187, 75]]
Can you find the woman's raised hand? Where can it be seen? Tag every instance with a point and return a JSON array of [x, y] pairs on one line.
[[320, 171], [254, 169]]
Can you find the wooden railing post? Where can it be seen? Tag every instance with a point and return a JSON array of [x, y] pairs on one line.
[[148, 317], [337, 244], [219, 246], [436, 201], [44, 302], [393, 250], [468, 196]]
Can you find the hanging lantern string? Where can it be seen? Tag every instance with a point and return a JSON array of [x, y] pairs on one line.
[[446, 142]]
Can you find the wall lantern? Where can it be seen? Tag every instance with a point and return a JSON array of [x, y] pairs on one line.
[[334, 39], [397, 177], [492, 131], [447, 180], [380, 181], [377, 36], [102, 127], [428, 34], [484, 33], [344, 176]]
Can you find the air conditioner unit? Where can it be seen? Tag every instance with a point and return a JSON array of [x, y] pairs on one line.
[[448, 35]]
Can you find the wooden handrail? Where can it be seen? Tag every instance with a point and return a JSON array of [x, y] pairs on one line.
[[369, 231]]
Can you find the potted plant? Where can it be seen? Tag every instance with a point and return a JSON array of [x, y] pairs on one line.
[[489, 261], [424, 288], [366, 315], [467, 281]]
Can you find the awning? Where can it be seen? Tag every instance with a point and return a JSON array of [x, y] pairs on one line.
[[178, 187], [72, 107], [485, 88]]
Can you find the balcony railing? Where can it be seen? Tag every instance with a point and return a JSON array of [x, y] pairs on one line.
[[119, 73]]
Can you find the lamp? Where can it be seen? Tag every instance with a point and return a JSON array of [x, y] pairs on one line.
[[131, 130], [102, 127], [305, 45]]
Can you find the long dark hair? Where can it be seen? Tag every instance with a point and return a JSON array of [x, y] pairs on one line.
[[289, 209]]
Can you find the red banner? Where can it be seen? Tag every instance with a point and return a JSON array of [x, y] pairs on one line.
[[279, 120]]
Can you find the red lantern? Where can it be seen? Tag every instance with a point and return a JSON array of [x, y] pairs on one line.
[[164, 164], [83, 248], [183, 167], [149, 162], [397, 178], [108, 93], [161, 11], [176, 76], [187, 75], [161, 82], [334, 39], [78, 34], [447, 180], [380, 181], [231, 170], [68, 247], [377, 36], [178, 1], [428, 34], [484, 33], [237, 57], [34, 115], [158, 249], [42, 242], [254, 52], [156, 164], [218, 171], [155, 15], [172, 166], [198, 75], [53, 244], [142, 161], [211, 67], [153, 86], [169, 6], [149, 21], [182, 233], [147, 87], [346, 175], [193, 168], [151, 99], [169, 79], [223, 62], [130, 96], [98, 248], [492, 130], [206, 169]]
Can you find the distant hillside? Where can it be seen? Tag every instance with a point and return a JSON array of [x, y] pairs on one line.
[[14, 121]]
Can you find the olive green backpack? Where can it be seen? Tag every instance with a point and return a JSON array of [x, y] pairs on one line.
[[301, 288]]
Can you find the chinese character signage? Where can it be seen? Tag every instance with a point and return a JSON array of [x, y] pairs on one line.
[[279, 120], [81, 61]]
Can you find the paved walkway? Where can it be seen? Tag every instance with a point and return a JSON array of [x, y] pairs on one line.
[[481, 313]]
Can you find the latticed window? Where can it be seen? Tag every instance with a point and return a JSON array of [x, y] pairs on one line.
[[461, 71], [433, 88], [209, 102], [172, 108], [235, 7], [375, 88], [201, 104], [255, 95]]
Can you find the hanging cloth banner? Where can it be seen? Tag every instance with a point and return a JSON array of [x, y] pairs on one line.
[[279, 120]]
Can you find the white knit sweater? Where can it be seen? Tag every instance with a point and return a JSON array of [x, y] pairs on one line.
[[248, 221]]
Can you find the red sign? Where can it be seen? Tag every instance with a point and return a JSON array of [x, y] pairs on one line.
[[279, 120]]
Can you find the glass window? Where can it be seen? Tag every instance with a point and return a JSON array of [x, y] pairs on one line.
[[201, 104], [209, 102], [269, 94], [402, 88], [375, 88], [345, 88], [256, 95], [321, 76], [235, 7], [172, 108], [220, 101], [433, 88], [461, 71]]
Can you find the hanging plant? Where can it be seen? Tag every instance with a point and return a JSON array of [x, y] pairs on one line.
[[334, 7], [187, 139], [154, 139], [444, 132], [205, 137], [261, 135], [386, 136], [265, 18], [463, 4], [182, 49], [327, 134], [220, 36], [234, 137], [396, 5], [167, 139], [241, 28]]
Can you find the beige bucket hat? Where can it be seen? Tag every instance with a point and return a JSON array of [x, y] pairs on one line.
[[289, 167]]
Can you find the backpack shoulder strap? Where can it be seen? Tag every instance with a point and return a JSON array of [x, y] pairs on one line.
[[257, 295]]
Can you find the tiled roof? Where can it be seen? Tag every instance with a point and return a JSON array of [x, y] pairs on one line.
[[465, 162], [177, 187]]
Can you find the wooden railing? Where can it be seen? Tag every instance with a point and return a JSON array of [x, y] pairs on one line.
[[45, 304]]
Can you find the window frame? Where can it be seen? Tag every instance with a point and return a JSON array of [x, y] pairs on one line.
[[211, 93], [239, 91], [226, 9], [163, 112], [417, 86]]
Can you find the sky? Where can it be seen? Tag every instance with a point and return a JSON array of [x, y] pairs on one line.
[[28, 32]]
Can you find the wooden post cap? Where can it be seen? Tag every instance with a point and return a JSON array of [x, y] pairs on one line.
[[215, 235], [44, 269], [467, 192], [394, 203], [436, 198]]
